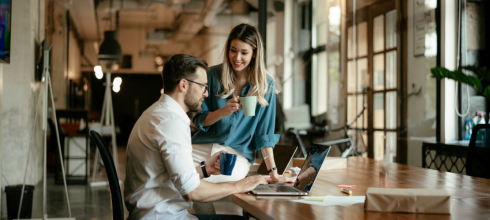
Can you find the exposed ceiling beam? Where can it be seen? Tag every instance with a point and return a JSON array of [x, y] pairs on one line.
[[83, 14]]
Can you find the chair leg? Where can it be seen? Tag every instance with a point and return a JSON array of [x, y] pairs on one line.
[[248, 216]]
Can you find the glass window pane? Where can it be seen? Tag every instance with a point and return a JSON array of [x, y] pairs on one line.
[[360, 104], [391, 111], [363, 145], [391, 29], [334, 87], [378, 34], [379, 111], [391, 142], [379, 73], [351, 108], [352, 134], [379, 145], [321, 83], [351, 76], [320, 14], [334, 20], [362, 74], [362, 39], [349, 43], [366, 113], [391, 72]]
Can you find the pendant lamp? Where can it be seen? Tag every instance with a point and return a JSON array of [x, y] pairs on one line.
[[110, 52]]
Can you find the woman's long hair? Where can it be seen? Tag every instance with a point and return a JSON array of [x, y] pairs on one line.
[[257, 74]]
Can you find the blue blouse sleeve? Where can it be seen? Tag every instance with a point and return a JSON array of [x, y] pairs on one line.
[[200, 117], [264, 135], [317, 160]]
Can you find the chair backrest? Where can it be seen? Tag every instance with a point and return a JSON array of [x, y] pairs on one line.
[[478, 157], [117, 205], [297, 117]]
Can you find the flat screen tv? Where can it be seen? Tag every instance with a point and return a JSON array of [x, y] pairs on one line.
[[5, 24]]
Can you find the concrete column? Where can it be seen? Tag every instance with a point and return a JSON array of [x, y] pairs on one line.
[[18, 97], [1, 113]]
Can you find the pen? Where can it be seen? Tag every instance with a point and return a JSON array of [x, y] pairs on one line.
[[316, 199], [346, 191]]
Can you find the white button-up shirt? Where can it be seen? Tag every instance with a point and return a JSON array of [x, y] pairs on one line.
[[159, 166]]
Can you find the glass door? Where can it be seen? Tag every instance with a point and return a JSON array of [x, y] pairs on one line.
[[385, 83], [373, 78]]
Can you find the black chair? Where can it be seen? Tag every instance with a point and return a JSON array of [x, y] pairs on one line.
[[73, 162], [477, 159], [116, 197]]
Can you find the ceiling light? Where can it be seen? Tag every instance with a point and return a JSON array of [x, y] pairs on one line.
[[160, 69], [97, 68], [110, 51], [99, 74], [110, 48], [117, 81], [116, 88], [158, 60]]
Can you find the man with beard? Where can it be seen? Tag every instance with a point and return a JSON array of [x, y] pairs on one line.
[[161, 180]]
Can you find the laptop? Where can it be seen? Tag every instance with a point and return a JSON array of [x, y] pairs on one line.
[[306, 178], [283, 155]]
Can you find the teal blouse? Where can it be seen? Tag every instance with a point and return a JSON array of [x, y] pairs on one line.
[[244, 134]]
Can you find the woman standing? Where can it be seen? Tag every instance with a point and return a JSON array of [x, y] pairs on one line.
[[222, 125]]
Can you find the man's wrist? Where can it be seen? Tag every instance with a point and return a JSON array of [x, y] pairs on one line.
[[204, 171]]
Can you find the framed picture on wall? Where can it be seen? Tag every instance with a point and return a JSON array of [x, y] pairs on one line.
[[5, 25]]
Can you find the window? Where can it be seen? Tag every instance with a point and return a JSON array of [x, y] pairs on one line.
[[325, 58]]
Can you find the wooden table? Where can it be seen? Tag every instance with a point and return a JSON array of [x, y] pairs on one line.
[[470, 196]]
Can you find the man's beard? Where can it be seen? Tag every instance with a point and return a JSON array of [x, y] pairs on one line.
[[193, 106]]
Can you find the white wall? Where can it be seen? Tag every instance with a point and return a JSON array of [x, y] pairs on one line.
[[421, 109], [74, 58], [449, 28], [18, 96], [59, 75]]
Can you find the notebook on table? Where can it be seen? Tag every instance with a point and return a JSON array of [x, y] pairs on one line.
[[306, 178], [283, 155]]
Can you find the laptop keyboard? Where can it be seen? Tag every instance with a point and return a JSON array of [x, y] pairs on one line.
[[285, 189]]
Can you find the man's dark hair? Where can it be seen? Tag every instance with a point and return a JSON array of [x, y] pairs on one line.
[[180, 66]]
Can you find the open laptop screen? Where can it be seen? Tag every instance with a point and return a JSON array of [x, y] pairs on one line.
[[311, 167], [283, 154]]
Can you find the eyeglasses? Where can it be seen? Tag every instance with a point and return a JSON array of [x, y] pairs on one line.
[[205, 86]]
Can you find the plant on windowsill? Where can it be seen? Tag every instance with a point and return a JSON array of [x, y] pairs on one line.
[[480, 81]]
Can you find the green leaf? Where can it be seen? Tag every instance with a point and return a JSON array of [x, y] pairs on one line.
[[480, 81], [486, 93], [459, 76]]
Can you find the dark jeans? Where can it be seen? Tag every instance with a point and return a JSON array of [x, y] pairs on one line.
[[218, 217]]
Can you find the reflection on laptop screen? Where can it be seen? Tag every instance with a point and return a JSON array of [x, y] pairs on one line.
[[311, 167]]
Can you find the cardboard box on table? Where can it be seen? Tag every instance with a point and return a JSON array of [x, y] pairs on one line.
[[437, 201]]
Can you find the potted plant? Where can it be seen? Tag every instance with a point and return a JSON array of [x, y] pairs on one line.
[[480, 81]]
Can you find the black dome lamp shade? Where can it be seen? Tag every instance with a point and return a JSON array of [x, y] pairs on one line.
[[110, 51]]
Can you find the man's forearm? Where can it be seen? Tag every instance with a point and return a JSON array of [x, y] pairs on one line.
[[208, 192]]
